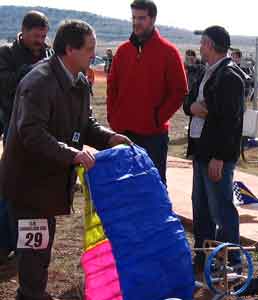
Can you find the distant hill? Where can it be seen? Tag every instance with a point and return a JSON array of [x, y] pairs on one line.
[[108, 29]]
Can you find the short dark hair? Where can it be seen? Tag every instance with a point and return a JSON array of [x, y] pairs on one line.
[[71, 33], [190, 52], [34, 19], [148, 5], [220, 38], [237, 52]]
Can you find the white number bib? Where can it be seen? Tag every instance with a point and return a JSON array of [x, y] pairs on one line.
[[33, 234]]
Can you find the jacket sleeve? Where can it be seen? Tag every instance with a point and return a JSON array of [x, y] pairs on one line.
[[112, 86], [8, 76], [227, 110], [191, 98], [188, 101], [33, 113], [97, 136], [193, 92], [176, 87]]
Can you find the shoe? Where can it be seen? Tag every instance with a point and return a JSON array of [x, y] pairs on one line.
[[251, 290]]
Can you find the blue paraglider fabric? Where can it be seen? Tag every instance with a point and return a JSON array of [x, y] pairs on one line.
[[151, 252]]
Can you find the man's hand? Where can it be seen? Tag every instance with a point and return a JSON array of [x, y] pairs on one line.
[[199, 109], [215, 169], [84, 158], [118, 139]]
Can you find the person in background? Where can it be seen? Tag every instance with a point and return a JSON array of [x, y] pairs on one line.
[[146, 85], [108, 60], [236, 55], [90, 75], [16, 60], [51, 121], [193, 67], [215, 106]]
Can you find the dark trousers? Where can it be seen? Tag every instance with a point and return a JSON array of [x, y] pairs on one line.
[[7, 231], [33, 267], [157, 148], [215, 216]]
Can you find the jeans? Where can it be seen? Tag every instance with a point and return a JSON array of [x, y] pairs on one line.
[[215, 216], [156, 147]]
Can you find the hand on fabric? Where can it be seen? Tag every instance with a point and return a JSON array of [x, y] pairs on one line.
[[84, 158], [199, 109], [118, 139], [215, 169]]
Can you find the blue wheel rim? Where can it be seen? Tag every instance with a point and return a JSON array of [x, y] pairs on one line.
[[207, 270]]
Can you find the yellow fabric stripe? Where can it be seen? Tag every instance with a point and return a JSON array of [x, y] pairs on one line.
[[94, 232], [247, 193]]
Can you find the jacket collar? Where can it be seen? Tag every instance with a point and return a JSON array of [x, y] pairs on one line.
[[140, 44], [62, 77], [64, 80], [228, 63]]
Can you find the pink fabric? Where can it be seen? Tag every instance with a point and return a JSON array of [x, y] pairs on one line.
[[101, 278]]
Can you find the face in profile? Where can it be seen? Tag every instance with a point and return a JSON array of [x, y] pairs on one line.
[[34, 38], [142, 23], [82, 57], [205, 47]]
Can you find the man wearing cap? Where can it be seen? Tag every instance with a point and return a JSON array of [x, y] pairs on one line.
[[146, 86], [215, 107]]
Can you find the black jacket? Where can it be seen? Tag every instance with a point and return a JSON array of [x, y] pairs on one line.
[[15, 61], [222, 131]]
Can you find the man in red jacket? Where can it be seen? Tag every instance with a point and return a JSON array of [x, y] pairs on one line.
[[146, 85]]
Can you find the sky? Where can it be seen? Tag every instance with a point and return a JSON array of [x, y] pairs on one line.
[[238, 17]]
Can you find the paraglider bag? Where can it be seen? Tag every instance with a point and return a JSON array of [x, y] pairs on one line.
[[151, 253]]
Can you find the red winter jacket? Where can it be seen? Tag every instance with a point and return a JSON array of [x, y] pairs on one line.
[[145, 88]]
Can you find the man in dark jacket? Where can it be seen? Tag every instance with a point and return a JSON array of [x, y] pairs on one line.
[[51, 121], [215, 106], [146, 85], [15, 61]]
